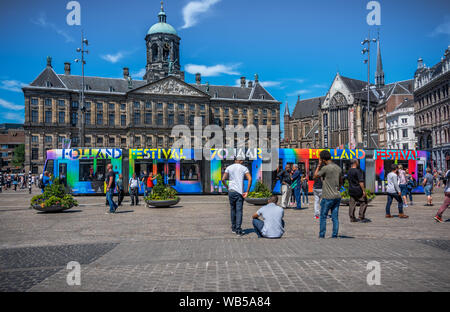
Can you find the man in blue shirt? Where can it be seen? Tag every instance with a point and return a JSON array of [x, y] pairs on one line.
[[297, 183], [273, 224]]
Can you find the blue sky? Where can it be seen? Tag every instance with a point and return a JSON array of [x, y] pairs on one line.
[[295, 46]]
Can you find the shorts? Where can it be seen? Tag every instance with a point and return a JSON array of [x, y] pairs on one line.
[[404, 189], [428, 189]]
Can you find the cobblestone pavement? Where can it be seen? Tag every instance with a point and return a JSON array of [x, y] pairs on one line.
[[191, 248]]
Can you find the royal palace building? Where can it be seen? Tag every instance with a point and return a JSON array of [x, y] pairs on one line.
[[432, 110], [127, 113]]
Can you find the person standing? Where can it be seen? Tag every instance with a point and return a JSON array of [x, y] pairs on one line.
[[357, 192], [317, 191], [273, 224], [133, 189], [410, 184], [285, 180], [331, 196], [233, 179], [446, 202], [148, 184], [402, 183], [110, 186], [296, 184], [305, 190], [120, 190], [393, 192], [428, 187]]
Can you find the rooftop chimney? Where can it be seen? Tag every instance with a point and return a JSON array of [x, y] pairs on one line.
[[256, 78], [49, 61], [67, 68], [198, 78], [243, 82], [126, 73], [250, 84]]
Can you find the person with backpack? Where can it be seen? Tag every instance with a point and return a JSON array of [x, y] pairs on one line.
[[357, 192], [133, 189]]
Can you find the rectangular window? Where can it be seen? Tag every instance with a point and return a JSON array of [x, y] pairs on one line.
[[112, 141], [75, 104], [216, 111], [62, 117], [160, 142], [148, 118], [100, 119], [137, 140], [236, 111], [274, 121], [192, 107], [137, 119], [181, 106], [191, 119], [189, 171], [34, 153], [227, 111], [123, 120], [245, 123], [170, 106], [405, 133], [149, 141], [87, 105], [112, 120], [159, 120], [48, 102], [48, 116], [235, 122], [159, 106], [137, 105], [170, 120], [74, 119], [217, 121], [202, 107], [86, 172], [61, 103], [265, 112], [148, 105], [256, 122], [227, 122], [123, 141], [34, 116], [123, 106], [35, 139], [99, 140], [244, 111], [34, 101], [255, 112], [181, 119], [87, 118], [48, 139], [112, 107], [265, 122], [87, 140], [99, 106]]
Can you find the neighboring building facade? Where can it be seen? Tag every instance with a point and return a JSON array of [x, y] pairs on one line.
[[432, 110], [341, 115], [11, 136], [126, 113], [400, 127]]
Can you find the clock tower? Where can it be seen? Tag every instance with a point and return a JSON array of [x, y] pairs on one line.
[[163, 50]]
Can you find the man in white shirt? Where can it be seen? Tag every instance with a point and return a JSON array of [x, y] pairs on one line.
[[233, 179], [273, 224]]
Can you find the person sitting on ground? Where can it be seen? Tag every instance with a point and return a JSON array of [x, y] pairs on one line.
[[273, 224]]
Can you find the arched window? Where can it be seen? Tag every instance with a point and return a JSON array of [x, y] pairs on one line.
[[154, 52], [429, 141]]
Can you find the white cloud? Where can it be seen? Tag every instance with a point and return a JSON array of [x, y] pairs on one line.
[[193, 9], [139, 74], [12, 85], [20, 118], [442, 29], [113, 58], [299, 92], [11, 106], [211, 71], [320, 86], [268, 84], [42, 21]]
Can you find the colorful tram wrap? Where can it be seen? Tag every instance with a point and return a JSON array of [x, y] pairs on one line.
[[308, 160], [83, 170], [176, 166], [415, 161]]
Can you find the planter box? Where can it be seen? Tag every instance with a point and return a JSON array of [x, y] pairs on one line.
[[162, 203], [257, 201], [55, 208]]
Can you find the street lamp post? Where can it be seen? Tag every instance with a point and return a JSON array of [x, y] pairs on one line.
[[82, 50], [364, 51]]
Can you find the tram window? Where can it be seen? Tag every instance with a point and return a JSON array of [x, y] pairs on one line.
[[403, 163], [249, 165], [189, 171], [141, 166], [420, 173], [301, 167], [387, 168], [63, 174], [100, 174], [346, 165], [172, 174], [313, 163], [50, 164], [86, 170], [160, 170]]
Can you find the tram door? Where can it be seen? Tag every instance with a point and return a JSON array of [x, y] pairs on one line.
[[63, 173], [172, 174], [161, 169]]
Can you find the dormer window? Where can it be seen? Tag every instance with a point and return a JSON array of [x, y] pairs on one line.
[[87, 87], [263, 97], [216, 94], [48, 84], [111, 89], [234, 95]]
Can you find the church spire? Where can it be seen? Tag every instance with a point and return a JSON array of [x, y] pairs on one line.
[[162, 15], [286, 110], [379, 74]]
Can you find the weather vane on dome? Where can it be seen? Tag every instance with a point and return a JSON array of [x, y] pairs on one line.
[[162, 6]]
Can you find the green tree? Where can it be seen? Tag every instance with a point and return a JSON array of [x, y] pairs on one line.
[[19, 156]]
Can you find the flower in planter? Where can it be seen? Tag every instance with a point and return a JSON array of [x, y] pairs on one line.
[[54, 195], [162, 192], [261, 191]]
